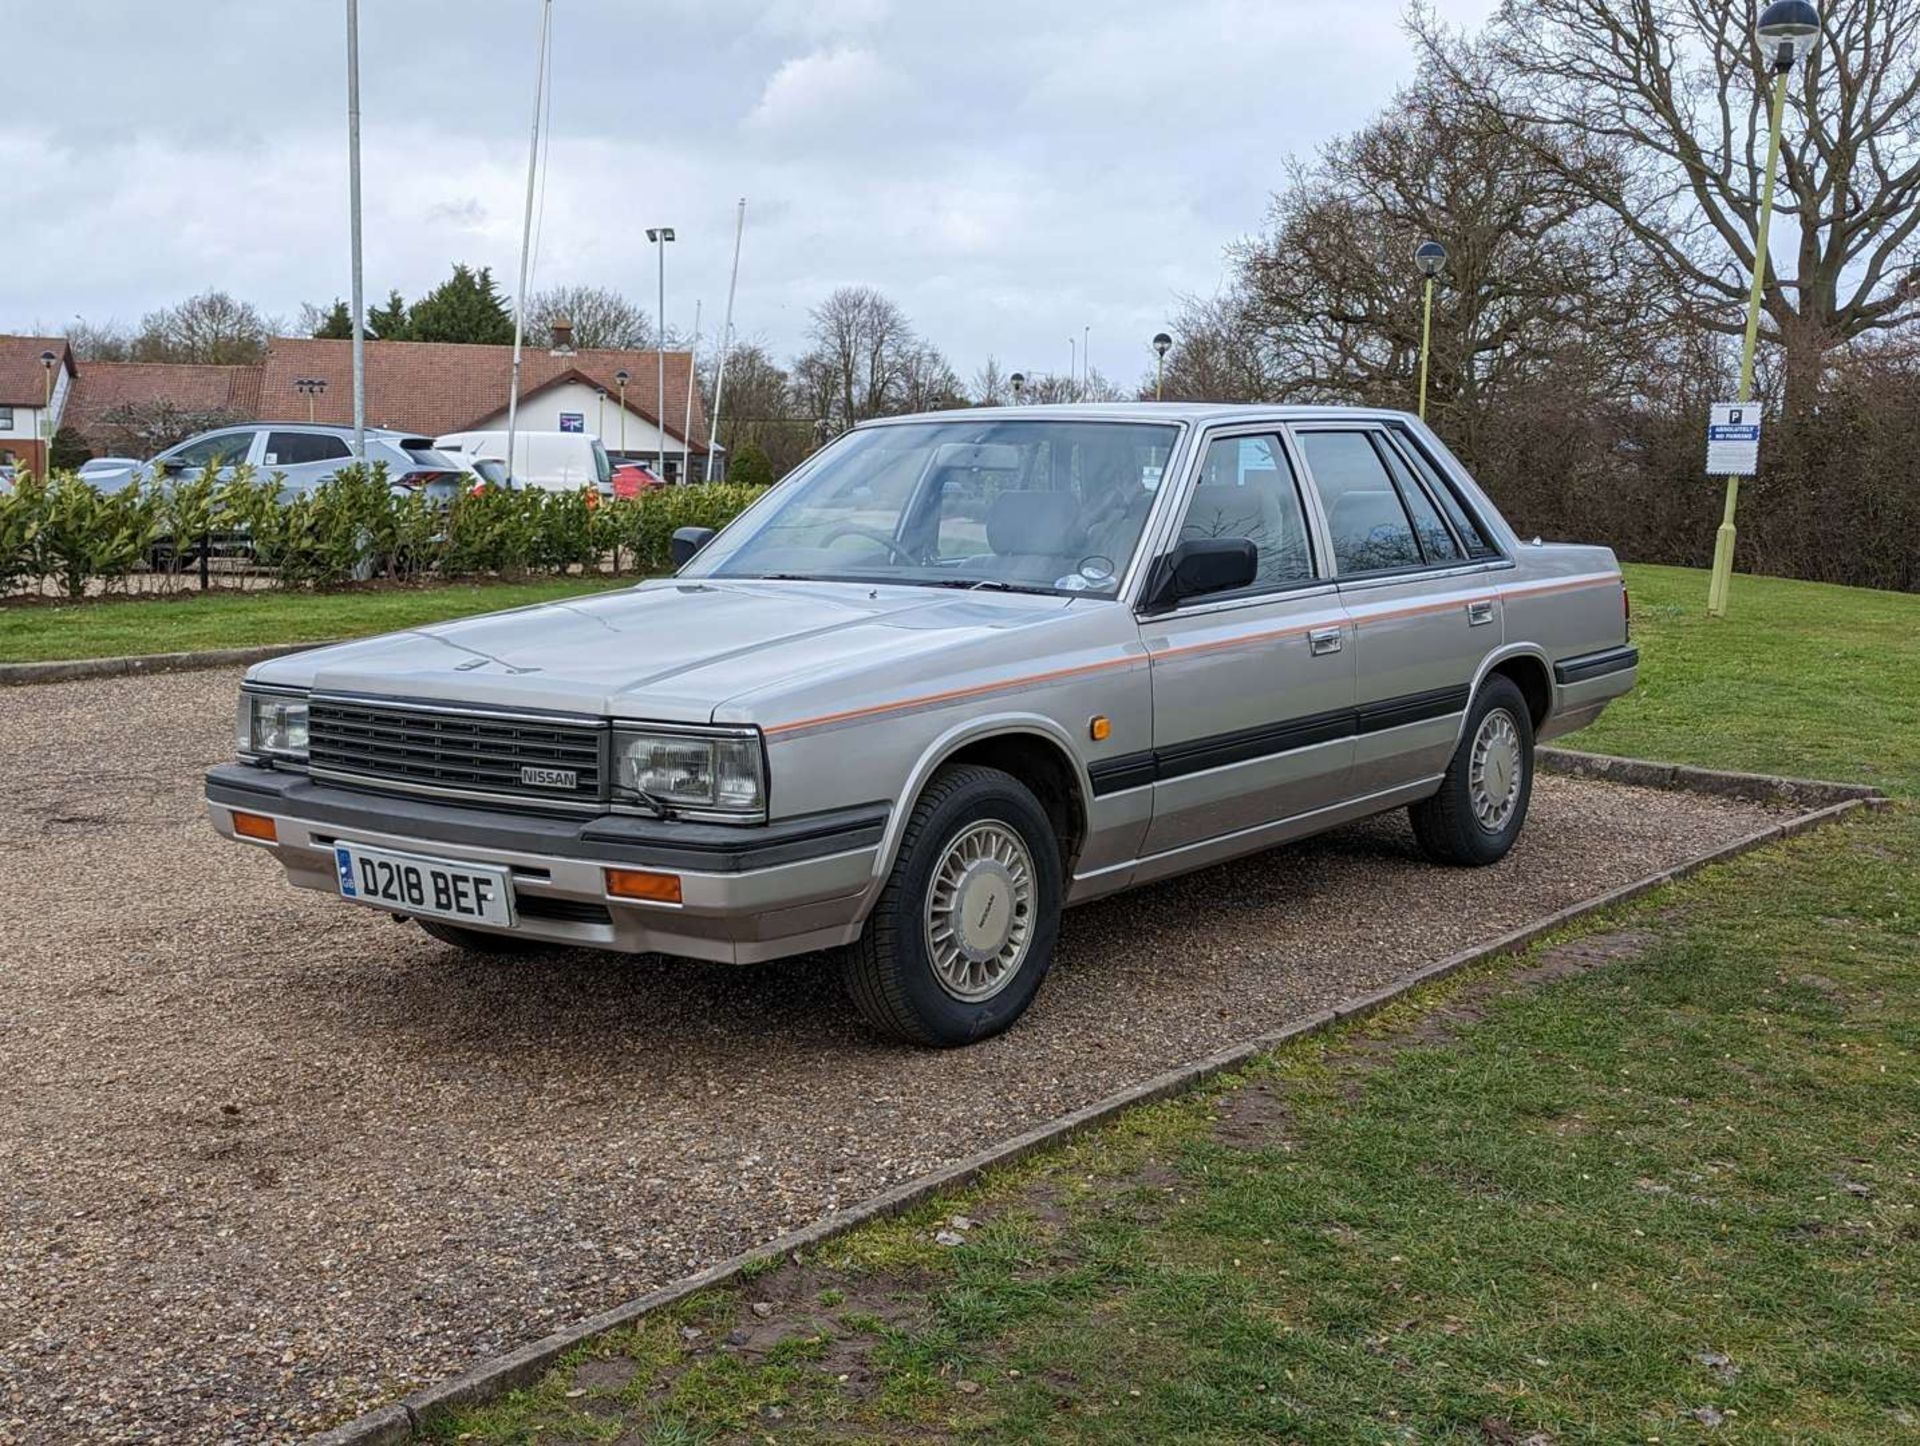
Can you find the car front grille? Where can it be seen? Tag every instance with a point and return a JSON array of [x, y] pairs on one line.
[[461, 752]]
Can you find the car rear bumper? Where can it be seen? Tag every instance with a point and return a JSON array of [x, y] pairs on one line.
[[747, 894], [1584, 685]]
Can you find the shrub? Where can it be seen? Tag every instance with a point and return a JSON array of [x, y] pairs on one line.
[[81, 534], [353, 527], [751, 467]]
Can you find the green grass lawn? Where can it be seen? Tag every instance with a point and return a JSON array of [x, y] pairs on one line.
[[191, 622], [1798, 678], [1657, 1181]]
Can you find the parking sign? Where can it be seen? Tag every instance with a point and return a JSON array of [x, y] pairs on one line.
[[1733, 439]]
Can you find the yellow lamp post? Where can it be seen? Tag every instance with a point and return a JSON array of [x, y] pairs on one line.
[[1786, 31], [1431, 258], [620, 379]]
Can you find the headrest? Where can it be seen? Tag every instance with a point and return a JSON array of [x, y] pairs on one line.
[[1035, 524]]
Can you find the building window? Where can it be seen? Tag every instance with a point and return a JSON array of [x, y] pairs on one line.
[[6, 419]]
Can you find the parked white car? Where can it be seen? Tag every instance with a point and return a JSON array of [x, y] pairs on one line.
[[552, 461]]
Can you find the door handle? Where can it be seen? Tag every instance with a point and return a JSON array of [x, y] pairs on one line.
[[1479, 612], [1324, 640]]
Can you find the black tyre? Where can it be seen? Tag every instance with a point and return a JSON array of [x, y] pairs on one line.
[[963, 933], [1482, 803], [476, 941]]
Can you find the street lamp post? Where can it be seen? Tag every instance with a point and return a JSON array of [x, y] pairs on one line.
[[1162, 344], [1019, 383], [620, 379], [1430, 257], [1786, 30], [47, 359], [600, 418], [310, 387], [660, 236]]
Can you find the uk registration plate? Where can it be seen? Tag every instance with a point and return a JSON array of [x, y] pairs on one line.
[[431, 888]]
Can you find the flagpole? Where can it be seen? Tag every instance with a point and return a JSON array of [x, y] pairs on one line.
[[686, 417], [353, 225], [726, 341], [526, 231]]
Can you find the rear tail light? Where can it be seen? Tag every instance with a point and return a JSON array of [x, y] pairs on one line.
[[1626, 612]]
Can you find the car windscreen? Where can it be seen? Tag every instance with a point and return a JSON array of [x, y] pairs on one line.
[[1047, 505]]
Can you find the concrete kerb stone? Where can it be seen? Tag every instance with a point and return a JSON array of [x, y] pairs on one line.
[[1751, 787], [23, 674], [491, 1379]]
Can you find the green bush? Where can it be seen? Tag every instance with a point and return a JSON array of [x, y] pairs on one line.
[[81, 534], [352, 528], [751, 467]]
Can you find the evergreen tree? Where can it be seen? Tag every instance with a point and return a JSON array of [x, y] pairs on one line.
[[389, 322], [751, 467], [336, 324], [465, 308]]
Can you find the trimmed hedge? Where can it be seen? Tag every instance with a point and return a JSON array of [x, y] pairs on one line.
[[353, 527]]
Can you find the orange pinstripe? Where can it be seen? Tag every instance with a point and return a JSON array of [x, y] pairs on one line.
[[950, 695]]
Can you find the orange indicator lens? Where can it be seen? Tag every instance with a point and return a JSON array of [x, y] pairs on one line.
[[252, 825], [640, 884]]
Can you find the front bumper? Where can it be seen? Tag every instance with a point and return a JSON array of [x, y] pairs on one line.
[[747, 894]]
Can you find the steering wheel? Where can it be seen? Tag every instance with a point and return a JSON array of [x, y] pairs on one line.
[[872, 534]]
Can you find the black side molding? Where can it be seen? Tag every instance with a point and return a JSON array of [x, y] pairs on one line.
[[1197, 755], [1595, 665]]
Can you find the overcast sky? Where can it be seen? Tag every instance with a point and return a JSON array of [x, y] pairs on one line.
[[1008, 170]]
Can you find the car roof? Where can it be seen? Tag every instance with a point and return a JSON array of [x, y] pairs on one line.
[[1198, 412]]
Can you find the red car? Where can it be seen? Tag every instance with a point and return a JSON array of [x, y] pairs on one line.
[[630, 479]]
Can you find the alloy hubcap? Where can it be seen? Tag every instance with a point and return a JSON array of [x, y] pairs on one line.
[[979, 917], [1494, 771]]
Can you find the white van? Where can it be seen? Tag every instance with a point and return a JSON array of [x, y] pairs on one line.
[[553, 461]]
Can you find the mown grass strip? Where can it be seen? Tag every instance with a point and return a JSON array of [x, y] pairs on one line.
[[1675, 1189], [32, 632]]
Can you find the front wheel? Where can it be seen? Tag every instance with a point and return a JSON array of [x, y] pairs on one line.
[[963, 932], [1482, 804]]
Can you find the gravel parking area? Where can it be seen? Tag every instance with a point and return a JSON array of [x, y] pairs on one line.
[[270, 1159]]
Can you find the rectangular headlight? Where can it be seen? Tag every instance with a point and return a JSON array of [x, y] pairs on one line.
[[713, 773], [273, 725]]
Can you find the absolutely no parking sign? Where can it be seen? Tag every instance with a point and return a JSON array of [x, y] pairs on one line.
[[1733, 439]]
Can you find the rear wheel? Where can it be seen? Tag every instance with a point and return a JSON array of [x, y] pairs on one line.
[[963, 933], [476, 941], [1482, 804]]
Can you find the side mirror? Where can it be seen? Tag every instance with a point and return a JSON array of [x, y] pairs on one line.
[[686, 542], [1203, 565]]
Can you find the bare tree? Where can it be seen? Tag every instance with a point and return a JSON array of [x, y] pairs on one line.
[[1539, 276], [212, 327], [990, 386], [864, 352], [1220, 353], [140, 429], [103, 341], [1657, 110], [601, 317], [761, 409]]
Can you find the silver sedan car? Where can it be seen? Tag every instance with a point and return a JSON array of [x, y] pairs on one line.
[[958, 672]]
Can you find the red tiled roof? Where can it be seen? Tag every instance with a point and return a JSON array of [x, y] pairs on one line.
[[437, 387], [99, 387], [23, 377]]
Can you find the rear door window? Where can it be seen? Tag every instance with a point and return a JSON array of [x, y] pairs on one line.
[[1370, 528], [1465, 525], [294, 449]]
